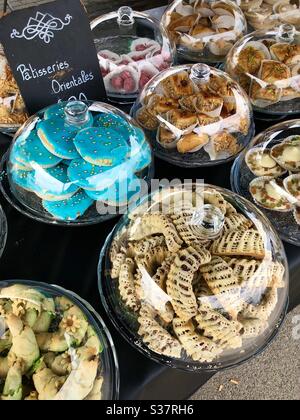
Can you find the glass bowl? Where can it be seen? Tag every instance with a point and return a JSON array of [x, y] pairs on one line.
[[204, 31], [268, 174], [195, 115], [132, 48], [195, 278], [266, 64], [3, 231], [267, 14], [76, 163], [54, 346]]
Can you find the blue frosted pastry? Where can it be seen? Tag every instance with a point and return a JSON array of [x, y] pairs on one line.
[[101, 146], [58, 137], [69, 209], [119, 194], [92, 177], [115, 122], [52, 184], [29, 148], [55, 111]]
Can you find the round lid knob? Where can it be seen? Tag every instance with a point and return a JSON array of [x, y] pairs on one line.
[[125, 16], [200, 73], [286, 32], [76, 113], [208, 221]]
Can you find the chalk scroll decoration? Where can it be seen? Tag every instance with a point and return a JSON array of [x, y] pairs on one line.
[[42, 26]]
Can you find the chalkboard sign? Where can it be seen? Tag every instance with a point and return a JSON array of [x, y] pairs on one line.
[[52, 54]]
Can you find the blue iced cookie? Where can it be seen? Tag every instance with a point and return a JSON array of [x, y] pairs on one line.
[[115, 122], [119, 194], [141, 154], [69, 209], [52, 184], [58, 137], [20, 178], [101, 146], [29, 149], [55, 111], [92, 177]]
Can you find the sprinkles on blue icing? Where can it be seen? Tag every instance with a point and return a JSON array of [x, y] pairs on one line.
[[92, 177], [30, 149], [115, 122], [58, 137], [69, 209], [52, 184], [55, 111], [119, 194], [101, 146]]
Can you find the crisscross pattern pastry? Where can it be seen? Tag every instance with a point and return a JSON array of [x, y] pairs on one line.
[[219, 329], [240, 243], [152, 224], [198, 347], [155, 336]]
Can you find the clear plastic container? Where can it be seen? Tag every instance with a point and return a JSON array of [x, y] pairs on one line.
[[195, 277], [268, 173], [266, 63], [195, 115], [3, 230], [204, 31], [76, 163], [53, 346], [12, 108], [267, 14], [132, 48]]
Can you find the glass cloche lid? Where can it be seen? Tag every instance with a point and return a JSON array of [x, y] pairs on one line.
[[204, 30], [53, 346], [76, 163], [132, 48], [195, 115], [267, 14], [268, 174], [267, 66], [195, 277]]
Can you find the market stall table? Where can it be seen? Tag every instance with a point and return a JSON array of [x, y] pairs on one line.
[[69, 257]]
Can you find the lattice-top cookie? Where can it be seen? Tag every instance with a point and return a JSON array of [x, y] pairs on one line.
[[155, 336], [240, 243], [198, 347], [153, 224]]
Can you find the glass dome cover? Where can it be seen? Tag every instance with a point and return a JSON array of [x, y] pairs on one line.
[[132, 48], [53, 346], [76, 163], [204, 30], [267, 66], [268, 174], [195, 278], [194, 115], [267, 14]]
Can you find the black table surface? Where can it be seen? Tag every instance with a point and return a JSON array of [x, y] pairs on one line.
[[69, 256]]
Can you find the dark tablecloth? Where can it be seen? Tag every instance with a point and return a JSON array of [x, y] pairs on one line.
[[69, 257]]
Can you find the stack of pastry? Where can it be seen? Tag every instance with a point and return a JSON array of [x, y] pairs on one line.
[[195, 297]]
